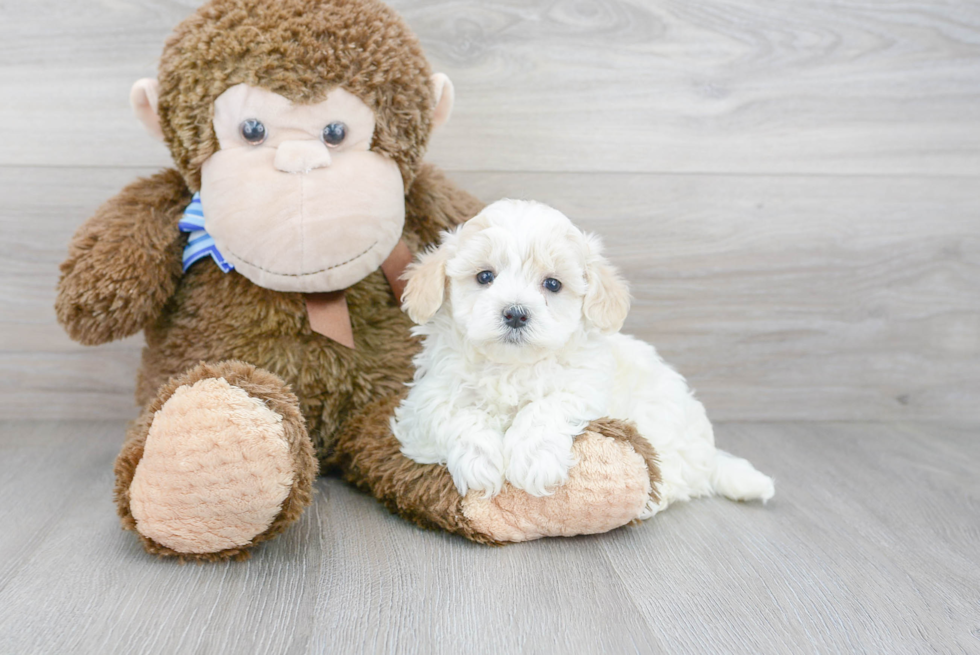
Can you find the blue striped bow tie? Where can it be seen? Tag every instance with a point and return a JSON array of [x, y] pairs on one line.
[[200, 244]]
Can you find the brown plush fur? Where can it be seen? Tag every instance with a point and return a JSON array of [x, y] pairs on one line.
[[371, 458], [300, 49], [124, 274], [124, 264], [213, 316], [115, 264], [258, 384]]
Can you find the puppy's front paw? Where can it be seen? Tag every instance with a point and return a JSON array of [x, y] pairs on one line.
[[476, 467], [537, 467]]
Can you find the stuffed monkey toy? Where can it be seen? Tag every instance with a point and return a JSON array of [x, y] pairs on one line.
[[264, 270]]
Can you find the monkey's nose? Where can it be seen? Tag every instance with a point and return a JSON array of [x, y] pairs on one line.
[[301, 156], [516, 316]]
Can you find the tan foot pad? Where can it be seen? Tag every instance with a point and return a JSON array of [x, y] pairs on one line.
[[215, 470], [607, 489]]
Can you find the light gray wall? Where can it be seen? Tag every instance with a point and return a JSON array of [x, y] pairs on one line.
[[793, 188]]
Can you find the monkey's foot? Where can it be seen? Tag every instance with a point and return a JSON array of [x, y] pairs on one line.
[[219, 462], [616, 481]]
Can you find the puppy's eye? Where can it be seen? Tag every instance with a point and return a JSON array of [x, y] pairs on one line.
[[484, 277], [552, 285], [334, 134], [253, 131]]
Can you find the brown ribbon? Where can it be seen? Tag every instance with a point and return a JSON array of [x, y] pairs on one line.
[[328, 311]]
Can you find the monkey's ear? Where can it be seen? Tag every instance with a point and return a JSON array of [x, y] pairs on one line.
[[143, 97], [426, 288], [445, 96], [607, 300]]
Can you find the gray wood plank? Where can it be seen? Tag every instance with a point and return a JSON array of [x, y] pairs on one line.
[[603, 85], [869, 522], [869, 545], [779, 297]]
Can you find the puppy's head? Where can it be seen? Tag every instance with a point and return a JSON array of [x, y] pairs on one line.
[[518, 278]]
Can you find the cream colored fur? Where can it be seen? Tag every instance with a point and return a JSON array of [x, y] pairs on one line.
[[334, 213], [215, 470], [497, 402], [591, 502]]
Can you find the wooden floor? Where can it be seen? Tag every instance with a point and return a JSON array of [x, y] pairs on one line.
[[871, 545]]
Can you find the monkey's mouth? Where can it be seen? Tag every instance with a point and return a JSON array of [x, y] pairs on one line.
[[270, 271]]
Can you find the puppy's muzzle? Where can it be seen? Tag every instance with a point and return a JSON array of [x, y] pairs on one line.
[[516, 317]]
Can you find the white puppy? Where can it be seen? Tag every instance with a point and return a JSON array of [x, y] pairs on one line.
[[521, 350]]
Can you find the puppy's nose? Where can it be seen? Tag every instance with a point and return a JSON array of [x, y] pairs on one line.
[[516, 316]]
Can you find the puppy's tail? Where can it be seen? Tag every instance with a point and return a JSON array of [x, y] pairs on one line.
[[737, 479]]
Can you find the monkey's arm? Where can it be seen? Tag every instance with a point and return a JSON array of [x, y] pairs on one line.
[[124, 262], [434, 204]]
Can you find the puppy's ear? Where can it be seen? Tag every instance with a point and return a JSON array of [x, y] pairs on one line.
[[426, 288], [607, 299]]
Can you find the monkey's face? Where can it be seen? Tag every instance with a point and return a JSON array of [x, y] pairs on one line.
[[295, 198]]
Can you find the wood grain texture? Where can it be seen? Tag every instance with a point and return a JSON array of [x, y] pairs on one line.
[[780, 297], [869, 546], [814, 86], [791, 188]]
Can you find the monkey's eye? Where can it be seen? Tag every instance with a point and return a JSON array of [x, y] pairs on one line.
[[253, 131], [484, 277], [334, 134], [552, 285]]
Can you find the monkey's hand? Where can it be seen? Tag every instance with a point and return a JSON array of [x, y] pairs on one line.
[[124, 262]]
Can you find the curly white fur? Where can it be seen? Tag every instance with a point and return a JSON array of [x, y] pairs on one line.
[[494, 402]]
